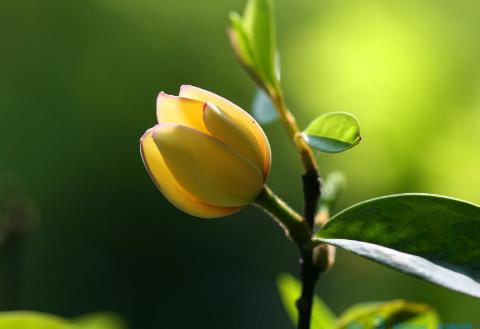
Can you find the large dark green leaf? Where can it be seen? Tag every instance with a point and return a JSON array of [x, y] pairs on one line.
[[393, 314], [435, 238], [290, 289]]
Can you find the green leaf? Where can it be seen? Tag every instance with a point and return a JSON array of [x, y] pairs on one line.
[[333, 132], [37, 320], [253, 40], [435, 238], [262, 108], [332, 188], [290, 289], [240, 41], [104, 320], [31, 320], [398, 314]]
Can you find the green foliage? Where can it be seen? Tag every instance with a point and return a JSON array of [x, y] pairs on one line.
[[408, 76], [37, 320], [398, 314], [253, 40], [386, 315], [332, 188], [431, 237], [100, 321], [290, 289], [262, 108], [333, 132], [32, 320]]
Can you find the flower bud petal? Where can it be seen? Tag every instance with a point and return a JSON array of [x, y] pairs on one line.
[[170, 188], [239, 116], [206, 167], [183, 111], [242, 141]]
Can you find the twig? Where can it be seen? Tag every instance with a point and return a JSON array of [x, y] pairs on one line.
[[292, 222], [309, 272]]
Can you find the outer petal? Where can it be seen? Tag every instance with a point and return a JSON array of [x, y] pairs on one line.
[[179, 110], [170, 188], [237, 114], [222, 127], [206, 167]]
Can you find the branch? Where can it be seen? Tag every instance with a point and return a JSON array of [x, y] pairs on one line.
[[289, 123], [309, 271], [292, 223]]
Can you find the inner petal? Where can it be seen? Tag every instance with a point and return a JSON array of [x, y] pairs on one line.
[[236, 114], [221, 126], [180, 110], [206, 167]]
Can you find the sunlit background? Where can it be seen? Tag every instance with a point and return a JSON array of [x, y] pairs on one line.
[[78, 83]]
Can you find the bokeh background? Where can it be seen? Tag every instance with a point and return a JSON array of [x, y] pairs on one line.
[[78, 83]]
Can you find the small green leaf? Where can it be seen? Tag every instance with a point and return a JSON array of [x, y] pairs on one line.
[[31, 320], [102, 320], [433, 237], [393, 314], [290, 289], [332, 188], [254, 42], [333, 132], [262, 108], [240, 41]]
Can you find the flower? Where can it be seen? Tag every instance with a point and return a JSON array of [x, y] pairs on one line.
[[206, 155]]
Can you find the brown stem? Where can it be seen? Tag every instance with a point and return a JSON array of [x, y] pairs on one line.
[[311, 194], [309, 272], [288, 120], [309, 275]]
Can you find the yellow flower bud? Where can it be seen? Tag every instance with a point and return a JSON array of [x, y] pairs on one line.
[[206, 155]]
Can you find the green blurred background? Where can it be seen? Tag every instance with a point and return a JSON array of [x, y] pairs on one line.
[[78, 83]]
